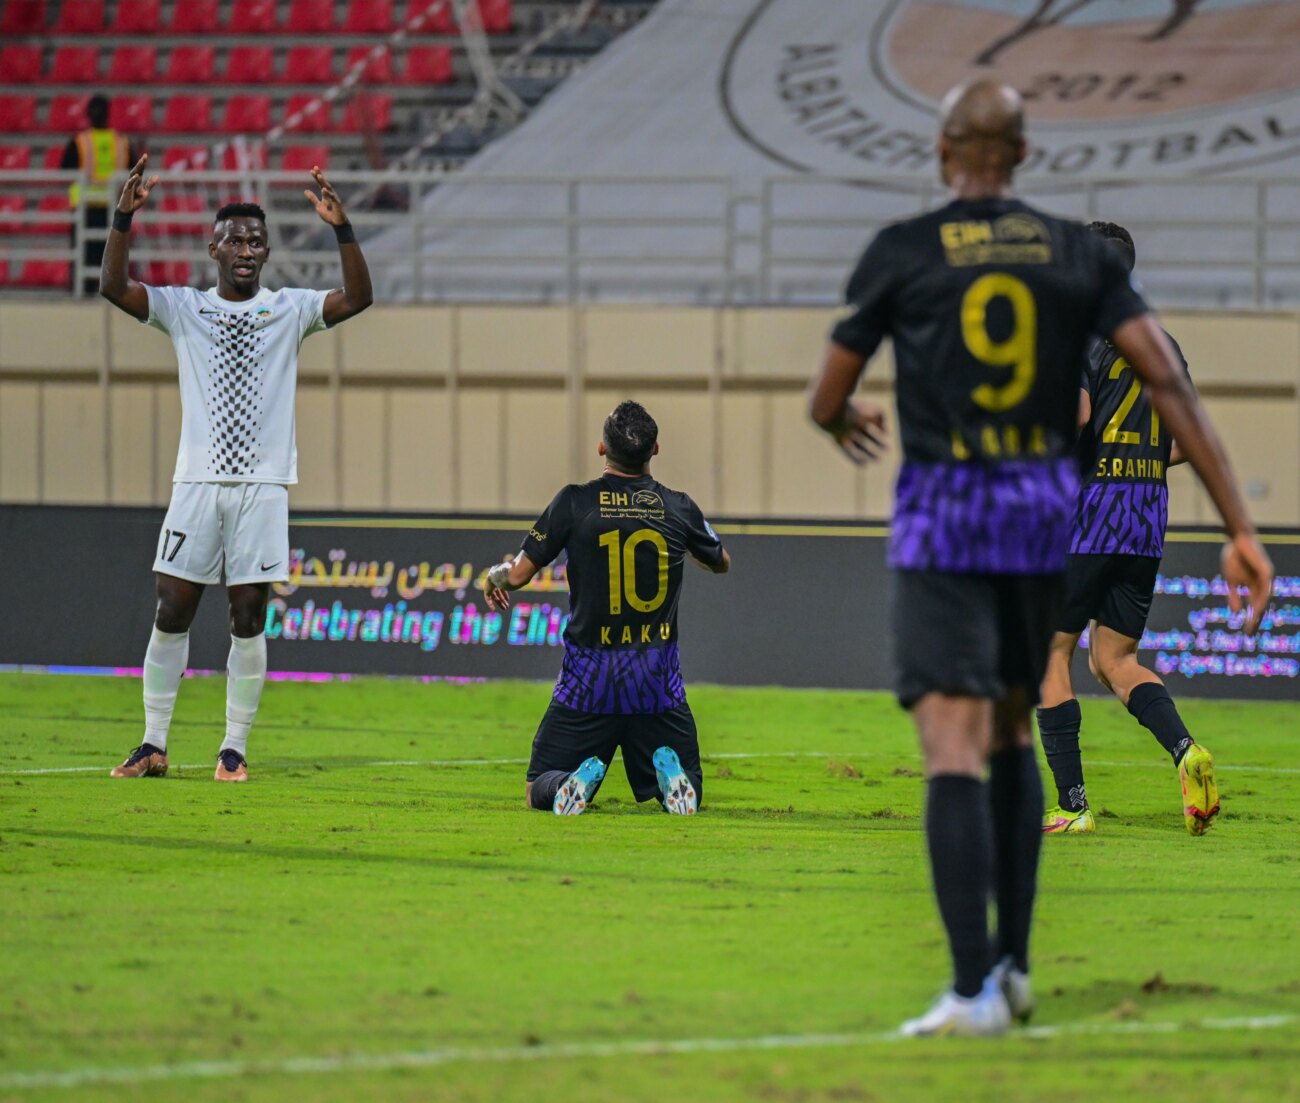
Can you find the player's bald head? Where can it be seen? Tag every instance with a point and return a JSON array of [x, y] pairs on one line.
[[982, 127]]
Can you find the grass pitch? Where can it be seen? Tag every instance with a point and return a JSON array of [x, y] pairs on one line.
[[352, 925]]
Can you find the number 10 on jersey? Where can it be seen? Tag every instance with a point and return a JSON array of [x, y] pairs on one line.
[[622, 570]]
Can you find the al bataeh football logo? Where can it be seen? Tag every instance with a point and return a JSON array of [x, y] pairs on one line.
[[1123, 89]]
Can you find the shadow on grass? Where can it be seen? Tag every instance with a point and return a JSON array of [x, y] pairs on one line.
[[706, 876]]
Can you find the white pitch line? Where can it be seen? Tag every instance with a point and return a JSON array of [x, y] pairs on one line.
[[428, 1058], [408, 762]]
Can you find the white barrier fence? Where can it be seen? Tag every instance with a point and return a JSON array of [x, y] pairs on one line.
[[441, 236]]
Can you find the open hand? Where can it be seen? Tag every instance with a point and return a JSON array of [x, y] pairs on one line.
[[135, 192], [328, 204], [862, 435], [497, 599], [1246, 564]]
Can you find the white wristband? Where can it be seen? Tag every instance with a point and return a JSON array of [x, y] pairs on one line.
[[499, 575]]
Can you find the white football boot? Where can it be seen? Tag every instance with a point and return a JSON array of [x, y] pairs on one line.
[[1015, 988], [985, 1015]]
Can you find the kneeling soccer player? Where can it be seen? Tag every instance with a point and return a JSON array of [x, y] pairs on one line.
[[237, 347], [620, 683], [1110, 578]]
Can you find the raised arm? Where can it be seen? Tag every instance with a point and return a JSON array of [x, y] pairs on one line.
[[1245, 562], [115, 282], [356, 293]]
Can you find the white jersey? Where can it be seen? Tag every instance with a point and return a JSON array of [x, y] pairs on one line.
[[238, 373]]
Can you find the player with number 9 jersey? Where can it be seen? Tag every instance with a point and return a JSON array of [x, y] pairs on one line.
[[627, 537], [991, 304]]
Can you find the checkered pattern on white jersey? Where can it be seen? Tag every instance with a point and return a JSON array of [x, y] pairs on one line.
[[238, 372]]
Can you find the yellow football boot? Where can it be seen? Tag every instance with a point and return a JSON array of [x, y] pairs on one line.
[[1200, 793], [1059, 821]]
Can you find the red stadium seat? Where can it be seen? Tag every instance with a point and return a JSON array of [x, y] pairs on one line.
[[497, 16], [167, 273], [75, 65], [191, 65], [17, 113], [372, 111], [439, 17], [67, 114], [53, 158], [369, 17], [251, 114], [194, 17], [190, 204], [379, 69], [303, 158], [15, 157], [310, 17], [308, 65], [46, 273], [186, 157], [133, 65], [317, 117], [131, 114], [12, 204], [55, 203], [428, 65], [23, 17], [137, 17], [21, 64], [80, 17], [249, 65], [243, 156], [252, 17], [4, 270], [187, 114]]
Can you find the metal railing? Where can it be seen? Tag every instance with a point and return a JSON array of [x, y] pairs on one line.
[[433, 235]]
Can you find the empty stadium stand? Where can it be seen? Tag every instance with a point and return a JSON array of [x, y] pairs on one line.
[[186, 78]]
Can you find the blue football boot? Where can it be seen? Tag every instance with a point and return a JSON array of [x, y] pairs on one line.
[[676, 788], [572, 798]]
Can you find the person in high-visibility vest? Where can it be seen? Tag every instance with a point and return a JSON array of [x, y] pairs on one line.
[[98, 152]]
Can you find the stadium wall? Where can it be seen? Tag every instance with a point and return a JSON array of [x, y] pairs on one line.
[[478, 408], [402, 595]]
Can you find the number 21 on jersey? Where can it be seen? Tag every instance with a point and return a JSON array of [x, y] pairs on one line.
[[1114, 433]]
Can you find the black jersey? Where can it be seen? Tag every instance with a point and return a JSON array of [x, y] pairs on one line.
[[990, 304], [1124, 460], [627, 540]]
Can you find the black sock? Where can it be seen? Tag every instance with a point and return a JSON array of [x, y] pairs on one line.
[[1016, 797], [1154, 709], [1059, 729], [961, 851], [545, 786]]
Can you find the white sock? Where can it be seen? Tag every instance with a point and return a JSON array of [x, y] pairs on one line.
[[246, 674], [164, 666]]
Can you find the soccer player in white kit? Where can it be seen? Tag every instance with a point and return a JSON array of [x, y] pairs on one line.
[[237, 348]]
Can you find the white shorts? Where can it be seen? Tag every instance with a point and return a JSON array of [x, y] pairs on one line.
[[241, 528]]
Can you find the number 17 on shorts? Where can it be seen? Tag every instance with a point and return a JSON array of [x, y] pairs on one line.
[[236, 530]]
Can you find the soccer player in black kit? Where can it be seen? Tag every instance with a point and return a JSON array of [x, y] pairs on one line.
[[620, 685], [1124, 456], [990, 304]]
